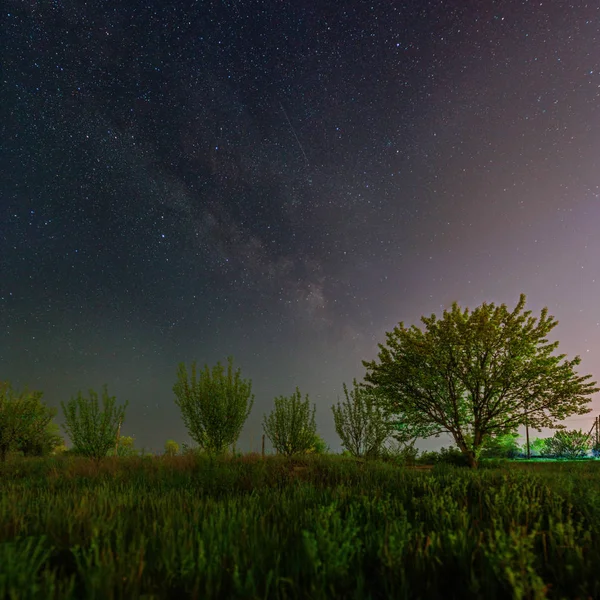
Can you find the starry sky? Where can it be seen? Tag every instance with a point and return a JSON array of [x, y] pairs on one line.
[[285, 182]]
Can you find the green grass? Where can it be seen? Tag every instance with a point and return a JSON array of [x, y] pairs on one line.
[[316, 527]]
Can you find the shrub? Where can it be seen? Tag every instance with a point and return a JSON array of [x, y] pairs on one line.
[[401, 454], [569, 444], [501, 446], [214, 404], [290, 427], [171, 448], [448, 456], [361, 424], [93, 431]]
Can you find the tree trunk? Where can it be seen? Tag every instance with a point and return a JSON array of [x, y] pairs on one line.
[[470, 454], [472, 459], [117, 441]]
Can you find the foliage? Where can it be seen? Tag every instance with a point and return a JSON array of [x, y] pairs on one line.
[[399, 453], [290, 427], [318, 446], [537, 447], [568, 444], [596, 450], [60, 449], [41, 442], [24, 421], [140, 530], [125, 447], [362, 425], [478, 374], [214, 405], [93, 432], [171, 448], [546, 450], [501, 446], [187, 450], [453, 456], [428, 457], [447, 456]]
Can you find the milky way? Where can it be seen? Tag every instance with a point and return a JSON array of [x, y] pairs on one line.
[[284, 182]]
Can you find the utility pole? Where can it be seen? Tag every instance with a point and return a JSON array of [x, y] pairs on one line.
[[594, 427], [527, 436]]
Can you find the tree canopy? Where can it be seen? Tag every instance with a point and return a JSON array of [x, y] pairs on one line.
[[214, 405], [290, 426], [25, 422], [93, 431], [476, 374], [361, 424]]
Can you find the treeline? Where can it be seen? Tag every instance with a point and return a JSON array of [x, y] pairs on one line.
[[477, 376], [214, 405], [27, 426]]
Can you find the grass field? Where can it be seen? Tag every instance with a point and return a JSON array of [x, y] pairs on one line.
[[316, 527]]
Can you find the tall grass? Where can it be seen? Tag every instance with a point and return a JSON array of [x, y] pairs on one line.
[[316, 527]]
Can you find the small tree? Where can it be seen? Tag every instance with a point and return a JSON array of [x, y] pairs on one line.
[[23, 419], [171, 448], [61, 449], [569, 444], [290, 427], [93, 432], [41, 442], [362, 426], [125, 448], [214, 406], [501, 446], [318, 446], [538, 447]]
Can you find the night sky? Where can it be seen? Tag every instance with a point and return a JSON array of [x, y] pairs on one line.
[[285, 182]]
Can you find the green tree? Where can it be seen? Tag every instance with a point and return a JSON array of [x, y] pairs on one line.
[[125, 447], [362, 424], [537, 447], [478, 374], [318, 446], [41, 441], [171, 448], [93, 431], [569, 444], [23, 419], [503, 445], [290, 426], [61, 448], [214, 405]]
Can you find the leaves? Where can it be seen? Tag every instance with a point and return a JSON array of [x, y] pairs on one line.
[[25, 422], [363, 426], [214, 405], [568, 444], [93, 431], [171, 448], [290, 427], [478, 374]]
